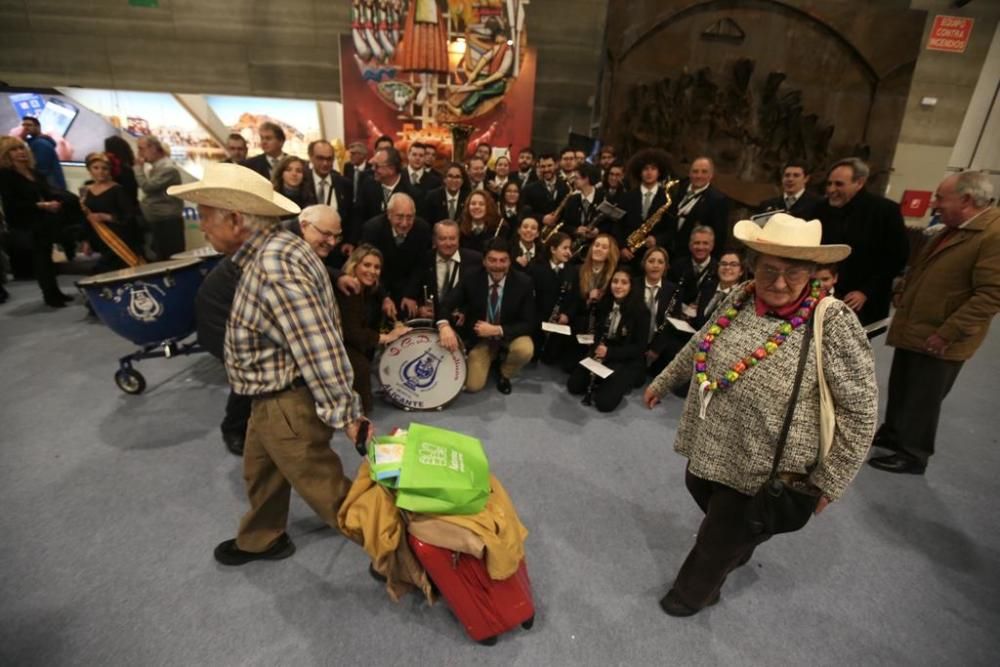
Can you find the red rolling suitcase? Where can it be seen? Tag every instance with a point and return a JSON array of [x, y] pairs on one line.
[[485, 607]]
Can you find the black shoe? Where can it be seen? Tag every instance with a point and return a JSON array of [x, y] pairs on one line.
[[234, 442], [375, 574], [672, 606], [900, 463], [503, 385], [55, 302], [228, 553], [65, 298], [4, 294]]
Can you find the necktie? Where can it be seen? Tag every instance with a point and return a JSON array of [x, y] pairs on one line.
[[687, 203], [651, 293], [449, 266], [789, 203], [270, 164], [494, 303], [386, 193], [415, 178], [399, 238], [321, 191], [552, 190], [357, 176], [452, 207], [613, 321], [647, 200]]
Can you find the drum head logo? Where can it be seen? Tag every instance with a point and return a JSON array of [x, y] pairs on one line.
[[420, 373], [142, 302]]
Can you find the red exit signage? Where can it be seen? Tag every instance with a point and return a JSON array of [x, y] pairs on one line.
[[950, 33]]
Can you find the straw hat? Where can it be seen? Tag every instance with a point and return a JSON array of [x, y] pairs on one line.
[[235, 188], [786, 236]]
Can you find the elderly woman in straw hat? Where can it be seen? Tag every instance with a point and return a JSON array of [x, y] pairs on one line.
[[782, 393]]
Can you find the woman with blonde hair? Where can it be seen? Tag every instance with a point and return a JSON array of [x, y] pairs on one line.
[[361, 317], [110, 213], [31, 209]]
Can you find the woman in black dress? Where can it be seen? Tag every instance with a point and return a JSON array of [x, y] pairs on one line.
[[108, 206], [621, 326], [480, 222], [361, 318], [32, 212]]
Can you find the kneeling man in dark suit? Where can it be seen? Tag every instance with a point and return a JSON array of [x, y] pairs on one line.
[[496, 318]]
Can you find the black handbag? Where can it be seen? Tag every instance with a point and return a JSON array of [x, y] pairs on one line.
[[778, 507]]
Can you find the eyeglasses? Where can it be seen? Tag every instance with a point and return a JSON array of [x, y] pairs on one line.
[[328, 235], [795, 274]]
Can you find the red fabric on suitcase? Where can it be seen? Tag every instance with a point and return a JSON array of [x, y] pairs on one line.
[[485, 607]]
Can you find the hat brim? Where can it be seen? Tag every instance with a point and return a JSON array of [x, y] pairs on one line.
[[745, 232], [235, 200]]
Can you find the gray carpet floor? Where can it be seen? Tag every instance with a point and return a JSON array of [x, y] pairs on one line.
[[110, 506]]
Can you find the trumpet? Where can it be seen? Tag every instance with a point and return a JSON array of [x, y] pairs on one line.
[[637, 238], [556, 214]]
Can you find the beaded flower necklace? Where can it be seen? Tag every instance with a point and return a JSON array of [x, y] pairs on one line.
[[706, 387]]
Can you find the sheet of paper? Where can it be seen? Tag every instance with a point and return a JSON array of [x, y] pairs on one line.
[[585, 339], [681, 325], [596, 367], [610, 210], [561, 329]]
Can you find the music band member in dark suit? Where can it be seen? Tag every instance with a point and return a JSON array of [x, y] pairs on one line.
[[544, 195], [361, 318], [526, 166], [509, 204], [375, 192], [696, 202], [442, 270], [497, 309], [794, 199], [873, 227], [662, 299], [525, 246], [420, 168], [357, 168], [648, 168], [480, 222], [403, 239], [556, 296], [448, 202], [695, 268], [580, 217], [621, 328], [501, 177], [272, 142]]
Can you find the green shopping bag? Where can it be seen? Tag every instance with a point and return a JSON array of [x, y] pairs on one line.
[[385, 458], [443, 472]]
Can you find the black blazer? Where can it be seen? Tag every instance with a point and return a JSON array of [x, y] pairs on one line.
[[632, 203], [691, 282], [873, 226], [471, 262], [429, 180], [212, 305], [627, 343], [668, 304], [805, 207], [711, 209], [398, 262], [436, 204], [259, 164], [550, 284], [536, 197], [517, 307], [516, 251], [371, 200], [574, 216]]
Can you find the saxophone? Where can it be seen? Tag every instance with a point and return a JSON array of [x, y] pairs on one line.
[[637, 238], [556, 214]]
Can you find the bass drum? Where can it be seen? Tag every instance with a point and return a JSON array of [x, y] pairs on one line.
[[417, 373]]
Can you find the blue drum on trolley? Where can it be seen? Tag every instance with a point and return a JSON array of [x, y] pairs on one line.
[[151, 305]]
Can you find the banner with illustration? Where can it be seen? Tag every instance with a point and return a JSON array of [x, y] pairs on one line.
[[298, 118], [413, 68]]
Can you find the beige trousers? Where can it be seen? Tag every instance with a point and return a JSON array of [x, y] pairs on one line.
[[519, 352]]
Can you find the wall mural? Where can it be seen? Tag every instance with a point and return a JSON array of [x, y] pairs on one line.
[[416, 69]]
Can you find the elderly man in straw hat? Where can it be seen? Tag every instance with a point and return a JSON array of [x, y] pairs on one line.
[[283, 348], [752, 370]]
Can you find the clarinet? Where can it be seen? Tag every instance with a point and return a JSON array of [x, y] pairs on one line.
[[588, 398], [554, 315], [429, 301], [500, 224], [670, 309]]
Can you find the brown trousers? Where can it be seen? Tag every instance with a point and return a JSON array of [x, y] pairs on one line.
[[724, 541], [286, 447]]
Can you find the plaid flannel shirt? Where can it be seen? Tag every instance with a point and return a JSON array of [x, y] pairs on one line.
[[285, 324]]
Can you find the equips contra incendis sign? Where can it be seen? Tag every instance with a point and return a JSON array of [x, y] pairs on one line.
[[950, 33]]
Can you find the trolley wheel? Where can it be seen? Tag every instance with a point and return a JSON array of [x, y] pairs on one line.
[[489, 641], [130, 381], [527, 624]]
